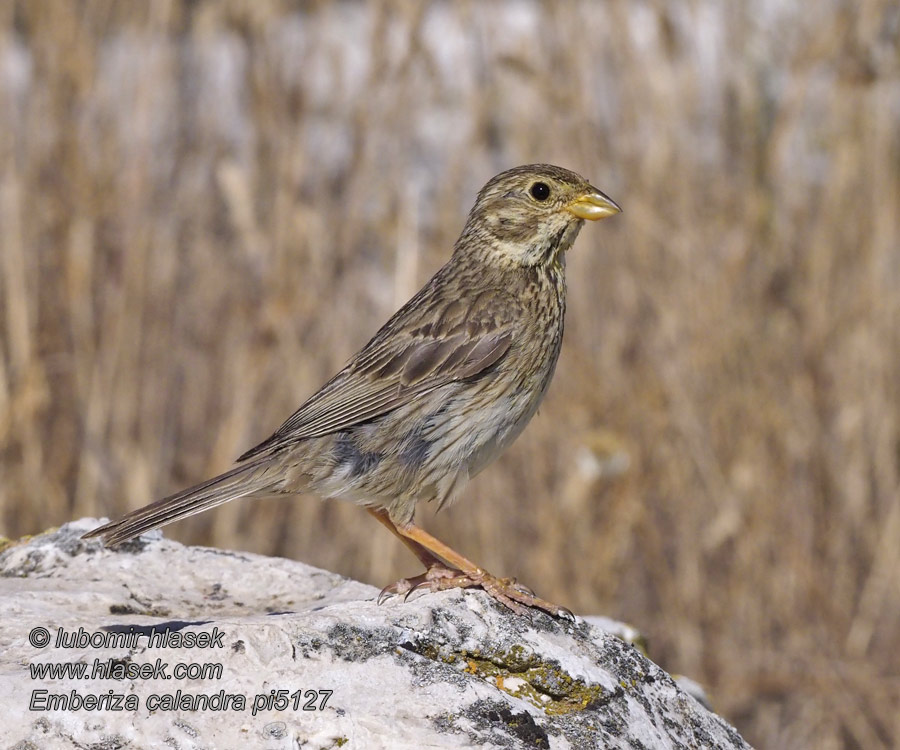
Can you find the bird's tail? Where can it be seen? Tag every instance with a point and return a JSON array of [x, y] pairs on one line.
[[243, 480]]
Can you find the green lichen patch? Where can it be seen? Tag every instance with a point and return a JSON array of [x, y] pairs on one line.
[[522, 674]]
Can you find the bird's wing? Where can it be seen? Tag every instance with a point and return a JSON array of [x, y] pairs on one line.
[[426, 344]]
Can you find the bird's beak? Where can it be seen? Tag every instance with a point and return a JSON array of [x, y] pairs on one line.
[[593, 205]]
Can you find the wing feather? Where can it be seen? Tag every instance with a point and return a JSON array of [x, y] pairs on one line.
[[414, 353]]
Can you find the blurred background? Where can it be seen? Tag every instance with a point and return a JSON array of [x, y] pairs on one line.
[[207, 207]]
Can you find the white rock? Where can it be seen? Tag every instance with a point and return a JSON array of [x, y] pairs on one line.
[[451, 669]]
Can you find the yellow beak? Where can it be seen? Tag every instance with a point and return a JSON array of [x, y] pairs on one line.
[[593, 205]]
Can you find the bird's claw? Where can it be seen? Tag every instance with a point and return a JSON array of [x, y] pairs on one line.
[[565, 614], [419, 585], [436, 578]]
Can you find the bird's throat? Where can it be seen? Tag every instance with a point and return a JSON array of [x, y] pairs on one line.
[[553, 254]]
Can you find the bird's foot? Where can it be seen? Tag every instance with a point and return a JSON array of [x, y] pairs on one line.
[[519, 598], [507, 591], [436, 578]]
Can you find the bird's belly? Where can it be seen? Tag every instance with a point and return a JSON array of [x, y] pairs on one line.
[[508, 420], [428, 449], [482, 431]]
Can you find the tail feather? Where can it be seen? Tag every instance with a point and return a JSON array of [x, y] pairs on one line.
[[240, 481]]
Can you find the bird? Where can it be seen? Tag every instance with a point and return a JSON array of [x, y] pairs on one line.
[[439, 391]]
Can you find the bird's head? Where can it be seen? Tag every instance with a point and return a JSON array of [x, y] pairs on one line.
[[530, 215]]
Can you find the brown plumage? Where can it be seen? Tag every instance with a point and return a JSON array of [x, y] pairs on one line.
[[445, 385]]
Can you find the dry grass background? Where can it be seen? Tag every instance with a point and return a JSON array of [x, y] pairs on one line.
[[206, 207]]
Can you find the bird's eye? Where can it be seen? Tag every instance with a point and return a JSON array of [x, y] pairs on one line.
[[540, 191]]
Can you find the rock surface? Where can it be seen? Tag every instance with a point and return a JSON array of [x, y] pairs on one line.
[[299, 657]]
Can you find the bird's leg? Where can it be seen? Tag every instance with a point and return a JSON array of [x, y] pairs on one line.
[[425, 557], [435, 568], [461, 573]]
